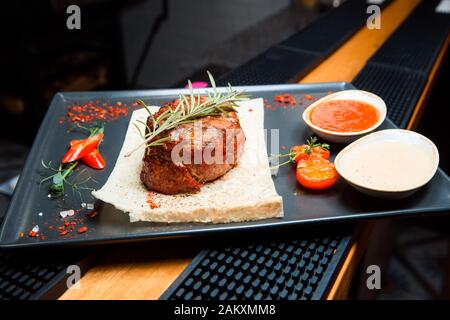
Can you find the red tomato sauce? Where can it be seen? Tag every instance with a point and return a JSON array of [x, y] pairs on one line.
[[344, 115]]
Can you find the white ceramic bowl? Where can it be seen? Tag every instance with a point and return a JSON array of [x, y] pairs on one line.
[[346, 137], [385, 141]]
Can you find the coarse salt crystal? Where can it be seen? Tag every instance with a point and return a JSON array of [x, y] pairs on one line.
[[90, 206], [67, 213], [83, 205], [40, 214], [35, 229], [64, 213]]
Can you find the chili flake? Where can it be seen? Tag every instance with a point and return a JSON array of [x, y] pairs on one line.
[[285, 99], [32, 234], [64, 232], [82, 229], [96, 111], [150, 201], [92, 214]]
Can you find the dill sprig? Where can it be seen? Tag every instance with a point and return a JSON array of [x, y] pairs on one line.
[[62, 176], [188, 109], [59, 178]]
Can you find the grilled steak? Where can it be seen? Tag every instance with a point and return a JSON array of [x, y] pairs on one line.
[[195, 153]]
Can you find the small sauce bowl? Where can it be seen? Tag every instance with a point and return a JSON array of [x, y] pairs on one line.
[[346, 137], [392, 163]]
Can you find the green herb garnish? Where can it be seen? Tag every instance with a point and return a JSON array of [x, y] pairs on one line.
[[189, 109]]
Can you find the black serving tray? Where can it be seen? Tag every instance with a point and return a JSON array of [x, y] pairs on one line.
[[301, 207]]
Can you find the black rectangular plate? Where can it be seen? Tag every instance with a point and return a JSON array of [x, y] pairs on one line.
[[341, 203]]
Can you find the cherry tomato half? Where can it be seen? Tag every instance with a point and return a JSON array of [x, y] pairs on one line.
[[316, 173]]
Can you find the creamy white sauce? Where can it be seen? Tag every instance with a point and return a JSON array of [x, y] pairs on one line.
[[388, 164]]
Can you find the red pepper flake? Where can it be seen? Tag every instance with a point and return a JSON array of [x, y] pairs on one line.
[[66, 223], [96, 111], [82, 229], [250, 109], [285, 99], [64, 232], [92, 214], [21, 234], [308, 97], [32, 234], [150, 201]]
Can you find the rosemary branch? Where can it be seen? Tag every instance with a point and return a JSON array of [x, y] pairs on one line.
[[187, 110]]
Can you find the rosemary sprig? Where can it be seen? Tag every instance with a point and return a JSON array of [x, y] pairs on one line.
[[188, 110]]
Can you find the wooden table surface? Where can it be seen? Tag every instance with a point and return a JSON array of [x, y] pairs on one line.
[[146, 270]]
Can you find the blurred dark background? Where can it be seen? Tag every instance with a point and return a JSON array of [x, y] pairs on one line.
[[128, 45]]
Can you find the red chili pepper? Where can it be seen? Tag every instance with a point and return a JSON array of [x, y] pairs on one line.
[[150, 201], [80, 148], [94, 160], [73, 142]]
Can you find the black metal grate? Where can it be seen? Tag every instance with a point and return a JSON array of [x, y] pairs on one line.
[[399, 88], [37, 274], [416, 43], [294, 270], [399, 70], [276, 65], [332, 29]]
